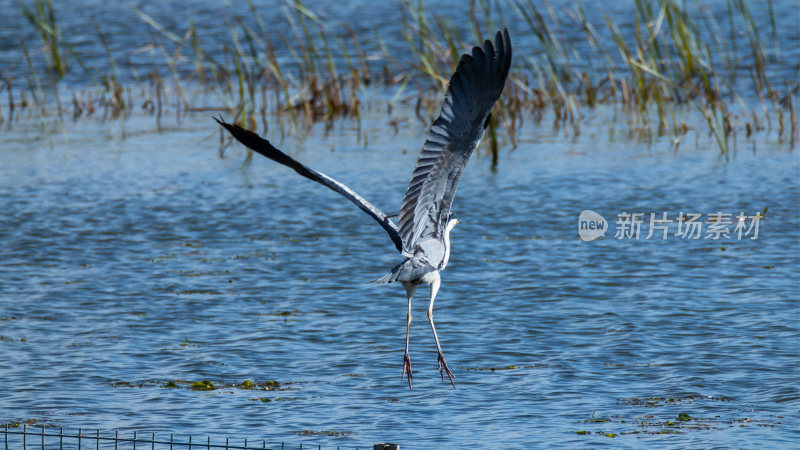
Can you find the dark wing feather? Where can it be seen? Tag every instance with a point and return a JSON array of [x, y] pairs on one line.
[[263, 147], [473, 90]]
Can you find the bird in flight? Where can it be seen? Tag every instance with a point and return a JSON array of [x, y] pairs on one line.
[[422, 231]]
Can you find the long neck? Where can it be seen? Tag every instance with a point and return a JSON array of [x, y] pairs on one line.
[[446, 246]]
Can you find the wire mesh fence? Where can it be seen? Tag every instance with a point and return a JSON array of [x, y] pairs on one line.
[[41, 438]]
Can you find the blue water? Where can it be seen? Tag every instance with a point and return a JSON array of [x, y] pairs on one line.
[[137, 258], [127, 263]]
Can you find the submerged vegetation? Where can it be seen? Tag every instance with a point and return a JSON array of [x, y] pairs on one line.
[[204, 385], [666, 69], [670, 419]]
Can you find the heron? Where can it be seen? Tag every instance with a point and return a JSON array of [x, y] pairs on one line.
[[424, 222]]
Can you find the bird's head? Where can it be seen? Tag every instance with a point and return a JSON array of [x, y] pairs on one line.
[[452, 221]]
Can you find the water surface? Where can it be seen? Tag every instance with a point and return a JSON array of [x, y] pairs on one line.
[[129, 263], [136, 259]]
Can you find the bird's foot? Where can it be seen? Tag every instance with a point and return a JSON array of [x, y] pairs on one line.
[[407, 370], [444, 369]]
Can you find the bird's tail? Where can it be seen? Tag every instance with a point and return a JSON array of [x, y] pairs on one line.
[[388, 278], [409, 270]]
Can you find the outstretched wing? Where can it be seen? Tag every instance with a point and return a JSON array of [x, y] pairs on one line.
[[263, 147], [474, 88]]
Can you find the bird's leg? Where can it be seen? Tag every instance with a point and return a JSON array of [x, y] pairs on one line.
[[410, 289], [442, 364]]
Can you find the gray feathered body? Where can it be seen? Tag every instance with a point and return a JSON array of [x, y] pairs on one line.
[[455, 134], [422, 232]]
